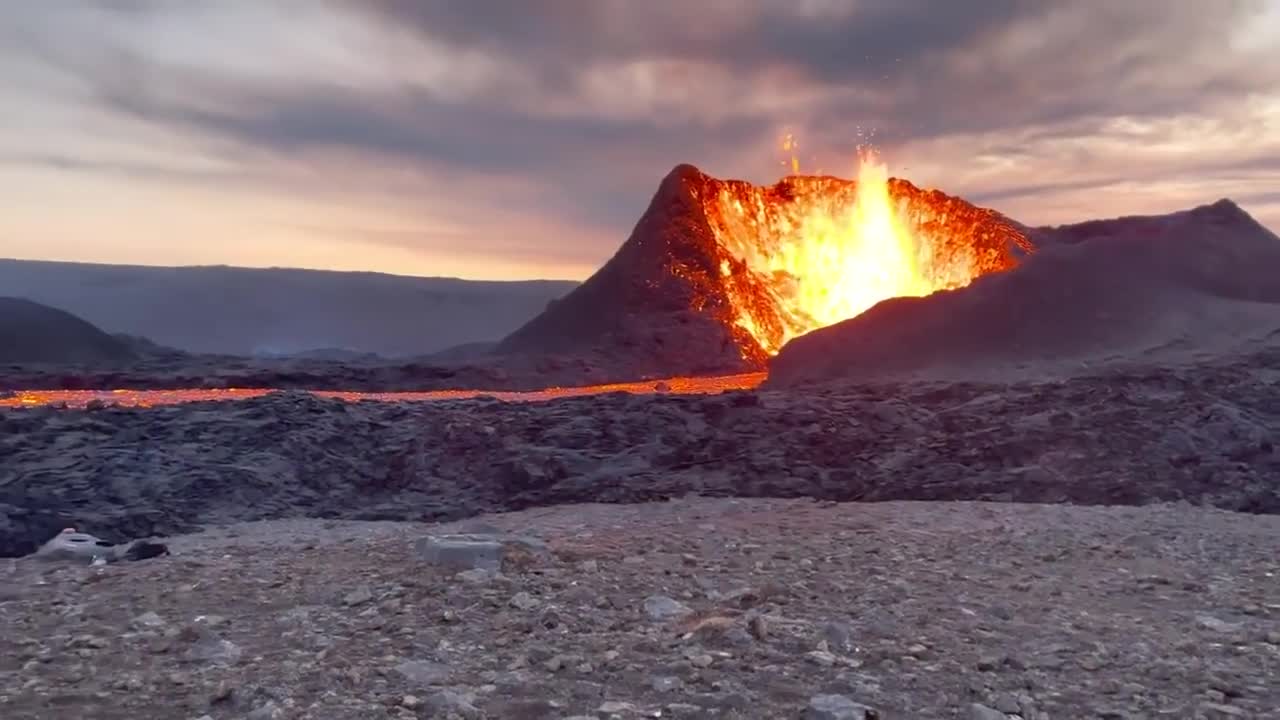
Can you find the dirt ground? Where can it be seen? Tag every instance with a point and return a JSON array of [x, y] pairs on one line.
[[691, 608]]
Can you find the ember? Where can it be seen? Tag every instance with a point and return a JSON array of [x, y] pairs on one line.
[[811, 251]]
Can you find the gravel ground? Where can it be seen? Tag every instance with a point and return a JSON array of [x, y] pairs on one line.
[[690, 608]]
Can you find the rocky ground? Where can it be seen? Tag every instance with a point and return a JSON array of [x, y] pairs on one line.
[[693, 608], [1202, 434], [460, 370], [216, 371]]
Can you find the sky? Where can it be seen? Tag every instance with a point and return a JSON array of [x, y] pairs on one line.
[[507, 139]]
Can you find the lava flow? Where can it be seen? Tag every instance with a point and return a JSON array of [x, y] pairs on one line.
[[153, 398], [811, 251]]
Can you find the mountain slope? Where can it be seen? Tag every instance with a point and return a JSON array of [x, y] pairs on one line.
[[1185, 285], [35, 333]]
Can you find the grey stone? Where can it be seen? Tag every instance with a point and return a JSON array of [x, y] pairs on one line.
[[821, 657], [839, 637], [269, 711], [359, 596], [977, 711], [661, 607], [666, 684], [838, 707], [424, 672], [1220, 711], [214, 650], [701, 660], [446, 703], [1208, 622], [1007, 703], [148, 619], [523, 601], [477, 575], [471, 552]]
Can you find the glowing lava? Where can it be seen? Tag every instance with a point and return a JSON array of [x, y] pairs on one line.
[[811, 251]]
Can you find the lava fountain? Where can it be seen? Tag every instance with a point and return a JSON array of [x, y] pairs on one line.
[[811, 251]]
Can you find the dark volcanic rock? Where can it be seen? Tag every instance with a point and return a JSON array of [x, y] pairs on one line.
[[657, 304], [1201, 434], [35, 333], [1127, 290]]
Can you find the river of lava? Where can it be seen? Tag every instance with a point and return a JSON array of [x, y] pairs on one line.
[[150, 398]]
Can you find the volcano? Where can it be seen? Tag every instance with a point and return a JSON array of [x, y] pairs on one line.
[[718, 275]]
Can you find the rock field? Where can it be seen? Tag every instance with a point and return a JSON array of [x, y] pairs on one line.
[[693, 608], [631, 596]]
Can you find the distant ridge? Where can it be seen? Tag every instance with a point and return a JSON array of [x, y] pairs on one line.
[[282, 311], [35, 333]]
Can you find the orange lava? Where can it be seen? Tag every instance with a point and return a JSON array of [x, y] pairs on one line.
[[151, 398], [811, 251]]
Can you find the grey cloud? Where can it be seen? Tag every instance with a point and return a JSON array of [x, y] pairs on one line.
[[569, 157], [854, 40], [143, 170], [914, 69]]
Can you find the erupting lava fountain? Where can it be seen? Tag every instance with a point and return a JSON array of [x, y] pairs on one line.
[[811, 251]]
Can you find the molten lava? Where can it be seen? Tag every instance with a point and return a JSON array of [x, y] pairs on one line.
[[811, 251]]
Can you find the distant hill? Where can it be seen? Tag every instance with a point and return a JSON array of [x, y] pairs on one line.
[[35, 333], [245, 311]]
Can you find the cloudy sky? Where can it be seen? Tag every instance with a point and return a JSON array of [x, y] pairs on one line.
[[523, 138]]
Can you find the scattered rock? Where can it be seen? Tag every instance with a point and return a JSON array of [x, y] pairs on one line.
[[838, 707], [661, 607], [424, 672], [148, 620], [821, 657], [471, 552], [523, 601], [450, 703], [839, 637], [1209, 622], [978, 711], [359, 596]]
